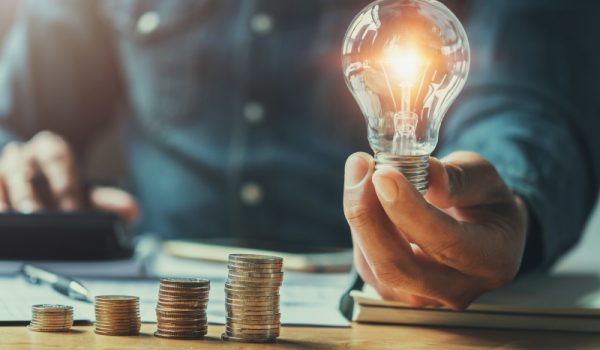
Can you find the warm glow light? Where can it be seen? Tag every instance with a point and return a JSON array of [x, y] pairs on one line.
[[403, 63]]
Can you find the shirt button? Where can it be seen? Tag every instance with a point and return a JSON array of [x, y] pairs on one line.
[[251, 194], [148, 22], [261, 23], [254, 112]]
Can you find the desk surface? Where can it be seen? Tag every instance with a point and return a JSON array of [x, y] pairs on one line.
[[360, 336]]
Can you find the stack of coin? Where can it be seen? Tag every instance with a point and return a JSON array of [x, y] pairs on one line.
[[181, 309], [117, 315], [51, 318], [252, 298]]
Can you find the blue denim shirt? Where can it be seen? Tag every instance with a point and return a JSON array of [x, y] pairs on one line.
[[238, 122]]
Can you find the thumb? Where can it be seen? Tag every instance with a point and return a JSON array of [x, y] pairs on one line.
[[114, 200]]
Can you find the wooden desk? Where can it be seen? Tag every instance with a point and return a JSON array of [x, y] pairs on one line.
[[360, 336]]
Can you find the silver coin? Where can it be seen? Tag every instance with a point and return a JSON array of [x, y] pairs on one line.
[[238, 326], [241, 287], [252, 335], [255, 282], [255, 317], [51, 308], [236, 312], [193, 282], [231, 338], [248, 302]]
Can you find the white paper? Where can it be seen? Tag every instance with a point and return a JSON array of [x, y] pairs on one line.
[[306, 298]]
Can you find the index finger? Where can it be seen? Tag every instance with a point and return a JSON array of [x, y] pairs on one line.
[[450, 242], [58, 165], [464, 179]]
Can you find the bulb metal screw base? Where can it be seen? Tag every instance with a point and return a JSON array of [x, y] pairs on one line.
[[414, 168]]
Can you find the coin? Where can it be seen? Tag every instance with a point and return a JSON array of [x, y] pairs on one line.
[[185, 282], [232, 338], [255, 258], [241, 326], [51, 318], [185, 335], [239, 287], [276, 316], [181, 308], [252, 298], [117, 315], [253, 267]]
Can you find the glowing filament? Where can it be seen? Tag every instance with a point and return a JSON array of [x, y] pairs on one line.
[[404, 65]]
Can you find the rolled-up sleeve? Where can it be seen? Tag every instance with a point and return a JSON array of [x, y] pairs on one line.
[[57, 71], [518, 110]]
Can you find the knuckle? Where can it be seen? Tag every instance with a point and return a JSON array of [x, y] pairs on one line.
[[449, 252], [387, 274], [45, 137], [50, 146], [456, 180], [11, 149], [358, 215], [57, 148]]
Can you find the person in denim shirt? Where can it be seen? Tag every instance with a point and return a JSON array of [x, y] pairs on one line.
[[237, 123]]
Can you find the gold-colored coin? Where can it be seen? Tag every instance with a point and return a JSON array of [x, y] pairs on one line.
[[236, 287], [238, 301], [181, 308], [51, 318], [117, 315]]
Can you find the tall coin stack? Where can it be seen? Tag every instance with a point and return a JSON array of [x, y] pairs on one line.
[[117, 315], [252, 298], [181, 309], [51, 318]]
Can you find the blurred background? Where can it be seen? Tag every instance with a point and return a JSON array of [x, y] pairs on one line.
[[103, 161]]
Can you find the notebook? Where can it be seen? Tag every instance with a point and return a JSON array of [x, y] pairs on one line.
[[297, 257], [535, 302]]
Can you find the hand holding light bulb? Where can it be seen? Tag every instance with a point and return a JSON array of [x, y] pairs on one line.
[[467, 234]]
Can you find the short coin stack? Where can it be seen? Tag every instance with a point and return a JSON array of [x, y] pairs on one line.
[[117, 315], [252, 298], [51, 318], [181, 309]]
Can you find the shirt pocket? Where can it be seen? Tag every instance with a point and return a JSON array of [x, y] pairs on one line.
[[169, 53]]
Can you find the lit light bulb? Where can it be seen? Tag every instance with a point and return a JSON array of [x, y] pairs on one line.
[[405, 62]]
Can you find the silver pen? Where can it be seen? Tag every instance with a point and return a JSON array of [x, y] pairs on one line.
[[64, 285]]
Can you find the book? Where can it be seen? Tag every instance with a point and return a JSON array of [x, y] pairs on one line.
[[535, 302]]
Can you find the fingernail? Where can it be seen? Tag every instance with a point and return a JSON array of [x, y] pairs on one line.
[[386, 187], [356, 170]]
